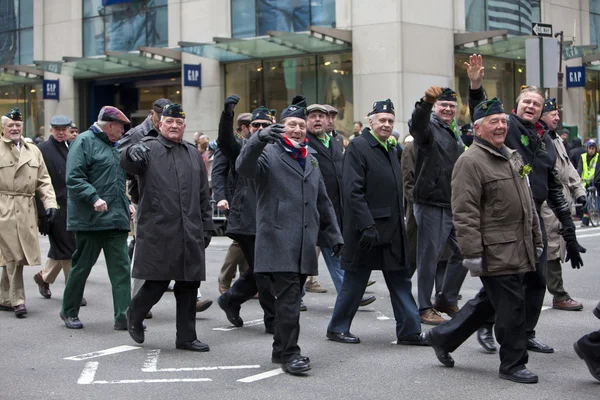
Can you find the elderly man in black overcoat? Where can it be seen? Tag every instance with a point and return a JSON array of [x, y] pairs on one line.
[[292, 208], [374, 230], [174, 212]]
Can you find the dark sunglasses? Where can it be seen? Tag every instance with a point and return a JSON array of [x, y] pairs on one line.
[[260, 124]]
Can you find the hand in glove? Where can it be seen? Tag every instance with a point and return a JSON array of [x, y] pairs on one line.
[[43, 225], [369, 238], [51, 214], [475, 265], [138, 152], [207, 238], [271, 133], [582, 200], [337, 250], [230, 103], [539, 251], [432, 94], [574, 251]]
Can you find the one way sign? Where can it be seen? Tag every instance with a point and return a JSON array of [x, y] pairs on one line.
[[539, 29]]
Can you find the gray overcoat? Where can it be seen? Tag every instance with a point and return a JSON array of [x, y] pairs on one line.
[[292, 207]]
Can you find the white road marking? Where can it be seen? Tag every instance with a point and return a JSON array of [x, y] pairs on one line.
[[587, 236], [381, 316], [264, 375], [100, 353], [88, 373], [153, 381], [544, 308], [151, 365], [246, 323]]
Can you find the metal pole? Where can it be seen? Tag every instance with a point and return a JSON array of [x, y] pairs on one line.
[[541, 44], [559, 93]]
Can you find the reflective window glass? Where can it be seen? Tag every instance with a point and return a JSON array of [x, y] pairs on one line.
[[26, 14], [514, 16], [26, 46]]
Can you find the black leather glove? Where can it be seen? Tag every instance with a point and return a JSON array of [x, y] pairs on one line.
[[336, 250], [369, 238], [207, 238], [574, 251], [582, 200], [51, 214], [230, 103], [271, 133], [138, 152], [43, 225]]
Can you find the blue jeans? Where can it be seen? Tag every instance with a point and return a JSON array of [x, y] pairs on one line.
[[353, 288], [334, 267]]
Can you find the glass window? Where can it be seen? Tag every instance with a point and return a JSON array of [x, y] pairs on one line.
[[594, 22], [26, 14], [590, 104], [245, 79], [16, 45], [283, 79], [251, 18], [335, 88], [26, 46], [123, 25], [514, 16], [29, 100]]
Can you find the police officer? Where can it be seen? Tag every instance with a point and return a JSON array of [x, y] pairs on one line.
[[587, 170]]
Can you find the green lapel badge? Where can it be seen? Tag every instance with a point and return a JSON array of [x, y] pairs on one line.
[[524, 140], [525, 169]]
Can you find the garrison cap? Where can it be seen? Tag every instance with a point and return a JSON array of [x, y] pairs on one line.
[[296, 109], [15, 114], [447, 95], [61, 121], [550, 105], [383, 106], [263, 112], [173, 110], [488, 107], [112, 114]]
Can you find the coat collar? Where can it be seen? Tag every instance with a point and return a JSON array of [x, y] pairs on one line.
[[503, 152], [317, 146], [166, 142]]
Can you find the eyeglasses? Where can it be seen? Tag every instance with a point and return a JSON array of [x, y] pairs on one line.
[[451, 106], [260, 124]]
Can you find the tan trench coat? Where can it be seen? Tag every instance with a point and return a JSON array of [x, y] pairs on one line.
[[572, 189], [22, 174]]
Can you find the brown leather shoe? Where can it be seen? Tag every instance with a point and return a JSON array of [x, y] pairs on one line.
[[314, 287], [431, 317], [202, 304], [567, 305], [43, 287], [446, 309]]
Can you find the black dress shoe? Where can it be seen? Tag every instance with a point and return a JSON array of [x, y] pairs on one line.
[[136, 331], [343, 337], [535, 345], [365, 301], [20, 311], [232, 316], [521, 376], [72, 322], [43, 287], [442, 355], [83, 302], [485, 337], [122, 326], [297, 366], [303, 306], [596, 311], [194, 345], [6, 308], [279, 360], [414, 340]]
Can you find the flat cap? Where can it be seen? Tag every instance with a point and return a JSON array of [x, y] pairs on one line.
[[331, 109], [160, 104], [112, 114], [60, 121], [317, 107]]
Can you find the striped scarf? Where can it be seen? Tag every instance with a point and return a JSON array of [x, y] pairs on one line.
[[297, 151]]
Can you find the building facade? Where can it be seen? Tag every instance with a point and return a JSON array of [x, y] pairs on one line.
[[348, 53]]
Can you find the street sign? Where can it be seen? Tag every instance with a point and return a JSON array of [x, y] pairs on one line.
[[539, 29], [192, 75], [570, 52], [575, 77], [544, 74]]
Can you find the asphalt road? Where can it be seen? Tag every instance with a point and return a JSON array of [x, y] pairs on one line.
[[41, 359]]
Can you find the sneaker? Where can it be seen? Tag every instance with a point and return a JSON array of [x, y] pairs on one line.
[[567, 305], [314, 287], [431, 317]]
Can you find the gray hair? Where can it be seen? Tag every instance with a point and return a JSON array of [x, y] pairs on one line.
[[5, 120], [102, 124]]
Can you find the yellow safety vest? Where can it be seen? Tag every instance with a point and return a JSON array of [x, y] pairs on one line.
[[587, 174]]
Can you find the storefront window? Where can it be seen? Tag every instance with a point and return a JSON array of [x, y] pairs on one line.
[[29, 100], [273, 83], [123, 25], [590, 105], [594, 22], [251, 18], [16, 32], [503, 79], [515, 16]]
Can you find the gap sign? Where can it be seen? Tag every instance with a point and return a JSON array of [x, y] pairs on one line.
[[192, 75], [50, 89], [575, 77]]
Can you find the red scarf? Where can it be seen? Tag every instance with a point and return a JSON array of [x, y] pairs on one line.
[[297, 151]]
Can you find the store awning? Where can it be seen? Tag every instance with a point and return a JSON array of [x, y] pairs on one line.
[[145, 59], [491, 43], [19, 75], [277, 44]]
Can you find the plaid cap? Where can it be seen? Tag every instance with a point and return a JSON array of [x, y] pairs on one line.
[[488, 107], [112, 114], [550, 105], [15, 114], [160, 104]]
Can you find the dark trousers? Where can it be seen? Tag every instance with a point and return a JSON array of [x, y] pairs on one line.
[[185, 298], [590, 344], [403, 303], [555, 281], [89, 246], [502, 296], [286, 287], [245, 287]]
